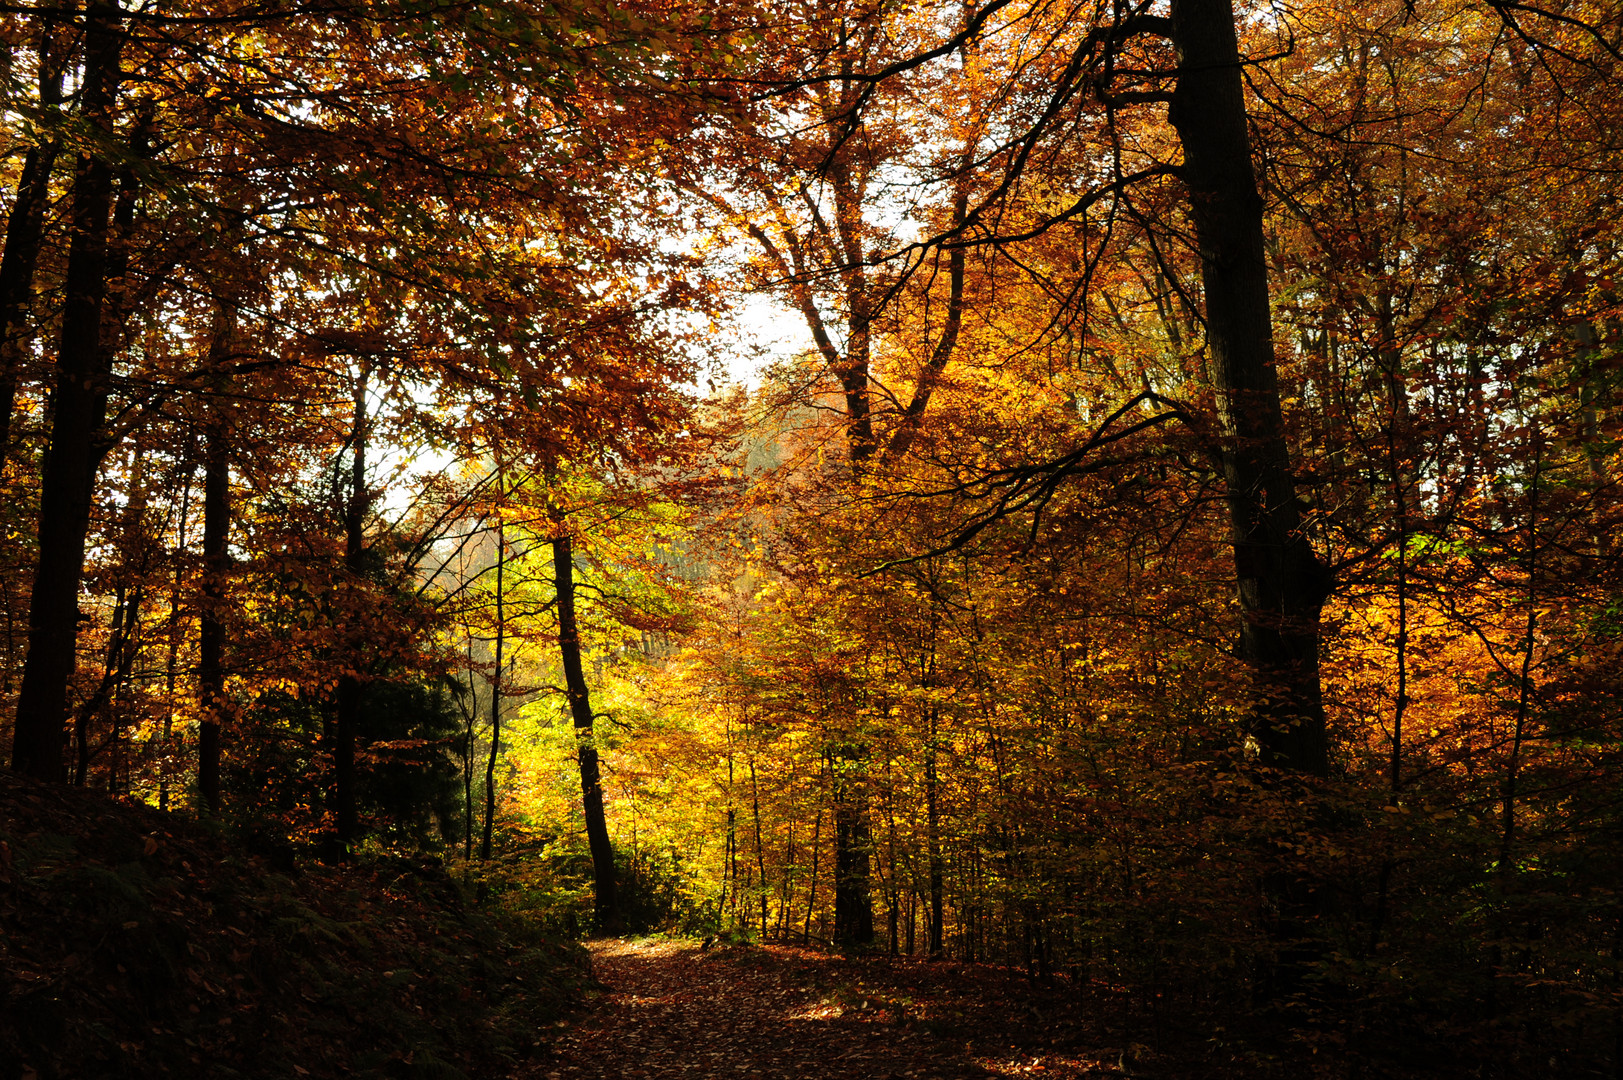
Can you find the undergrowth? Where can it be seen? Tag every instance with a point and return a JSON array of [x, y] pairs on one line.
[[135, 943]]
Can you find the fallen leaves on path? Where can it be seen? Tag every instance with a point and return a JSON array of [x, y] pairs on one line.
[[675, 1010]]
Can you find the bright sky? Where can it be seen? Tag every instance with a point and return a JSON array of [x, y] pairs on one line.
[[769, 332]]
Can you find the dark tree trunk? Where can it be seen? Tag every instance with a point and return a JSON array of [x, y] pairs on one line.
[[1282, 585], [470, 717], [496, 692], [79, 406], [349, 684], [853, 907], [932, 809], [24, 228], [216, 566], [580, 708], [811, 889], [82, 752], [172, 662], [760, 853], [211, 628], [853, 844]]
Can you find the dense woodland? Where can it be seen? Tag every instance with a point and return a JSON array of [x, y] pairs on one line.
[[1183, 555]]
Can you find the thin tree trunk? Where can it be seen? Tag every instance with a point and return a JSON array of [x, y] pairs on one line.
[[120, 655], [172, 664], [932, 810], [129, 651], [912, 911], [471, 716], [760, 854], [487, 836], [81, 721], [893, 892], [78, 414], [1400, 703], [216, 567], [580, 708], [349, 684], [24, 228], [729, 858], [787, 883], [1524, 695], [811, 892]]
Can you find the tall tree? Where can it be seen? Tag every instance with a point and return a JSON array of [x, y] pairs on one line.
[[77, 442], [605, 905], [356, 506], [1282, 584], [211, 642], [497, 686]]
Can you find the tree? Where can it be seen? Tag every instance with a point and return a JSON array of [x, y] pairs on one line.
[[86, 346], [333, 191], [1282, 584], [580, 711]]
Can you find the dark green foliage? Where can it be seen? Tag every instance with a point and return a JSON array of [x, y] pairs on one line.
[[410, 783], [547, 882], [654, 893], [410, 793]]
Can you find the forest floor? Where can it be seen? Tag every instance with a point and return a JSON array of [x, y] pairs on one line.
[[676, 1010]]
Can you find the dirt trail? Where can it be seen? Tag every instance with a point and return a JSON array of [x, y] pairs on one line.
[[674, 1010]]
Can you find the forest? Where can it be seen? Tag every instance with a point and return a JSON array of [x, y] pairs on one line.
[[1124, 494]]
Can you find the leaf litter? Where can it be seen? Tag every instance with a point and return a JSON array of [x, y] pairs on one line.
[[675, 1009]]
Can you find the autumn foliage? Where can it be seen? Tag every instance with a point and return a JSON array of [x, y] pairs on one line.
[[1175, 551]]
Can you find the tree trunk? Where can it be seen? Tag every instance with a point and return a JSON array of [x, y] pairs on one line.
[[82, 753], [216, 565], [893, 892], [470, 716], [1282, 585], [853, 907], [349, 684], [580, 708], [172, 662], [24, 227], [496, 692], [932, 810], [760, 853], [811, 889], [79, 410]]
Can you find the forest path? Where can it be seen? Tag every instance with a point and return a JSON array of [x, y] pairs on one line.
[[675, 1010]]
